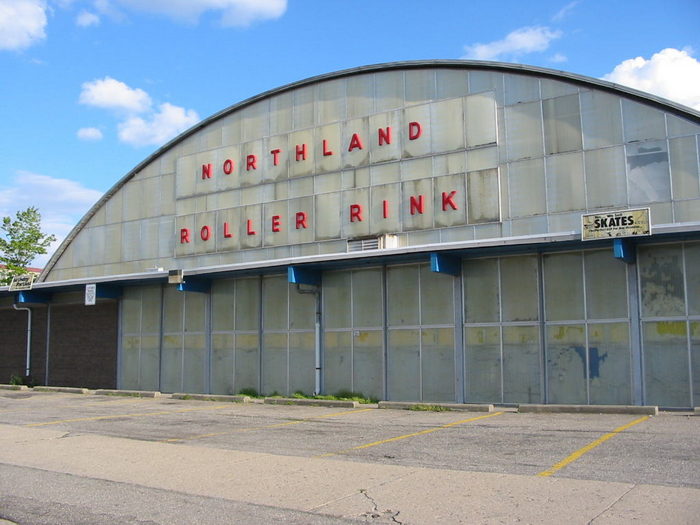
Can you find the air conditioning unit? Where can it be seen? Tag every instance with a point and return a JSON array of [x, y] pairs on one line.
[[383, 242]]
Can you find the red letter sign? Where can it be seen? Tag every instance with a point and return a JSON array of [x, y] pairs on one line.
[[414, 130], [448, 200], [184, 235], [206, 171], [384, 135], [355, 142], [301, 220], [275, 223], [417, 204], [355, 212]]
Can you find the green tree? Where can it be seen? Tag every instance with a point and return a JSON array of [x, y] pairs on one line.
[[21, 240]]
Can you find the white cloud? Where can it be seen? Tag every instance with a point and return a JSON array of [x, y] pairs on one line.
[[558, 58], [87, 19], [90, 134], [565, 11], [519, 42], [157, 128], [671, 73], [239, 13], [61, 202], [22, 23], [140, 124], [109, 93]]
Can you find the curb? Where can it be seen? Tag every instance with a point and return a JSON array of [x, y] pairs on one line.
[[410, 405], [64, 389], [588, 409], [311, 402], [14, 387], [210, 397], [127, 393]]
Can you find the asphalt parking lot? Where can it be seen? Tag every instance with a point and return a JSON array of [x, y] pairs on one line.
[[660, 451]]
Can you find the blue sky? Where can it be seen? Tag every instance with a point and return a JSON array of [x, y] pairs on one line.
[[89, 88]]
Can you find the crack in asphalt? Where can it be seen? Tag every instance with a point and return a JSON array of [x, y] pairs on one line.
[[376, 513]]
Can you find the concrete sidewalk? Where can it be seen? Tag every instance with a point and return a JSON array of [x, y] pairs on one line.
[[351, 489]]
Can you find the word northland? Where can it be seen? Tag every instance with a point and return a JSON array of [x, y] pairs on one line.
[[301, 218]]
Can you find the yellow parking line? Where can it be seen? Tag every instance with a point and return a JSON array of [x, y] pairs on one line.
[[405, 436], [122, 416], [580, 452], [275, 425]]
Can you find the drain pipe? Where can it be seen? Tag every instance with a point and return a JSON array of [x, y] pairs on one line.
[[317, 343], [29, 336]]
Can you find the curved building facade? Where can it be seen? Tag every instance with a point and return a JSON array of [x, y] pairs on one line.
[[428, 231]]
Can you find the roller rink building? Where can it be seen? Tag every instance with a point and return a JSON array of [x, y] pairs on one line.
[[438, 231]]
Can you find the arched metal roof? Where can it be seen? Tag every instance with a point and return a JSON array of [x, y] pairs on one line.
[[601, 85]]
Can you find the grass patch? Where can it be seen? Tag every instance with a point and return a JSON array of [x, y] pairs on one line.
[[250, 392], [429, 408], [341, 395]]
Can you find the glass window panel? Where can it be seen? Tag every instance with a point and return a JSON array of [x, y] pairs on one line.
[[247, 304], [150, 362], [303, 107], [606, 285], [367, 302], [247, 371], [649, 179], [447, 125], [609, 369], [330, 101], [565, 187], [302, 310], [566, 364], [520, 288], [436, 301], [131, 346], [642, 122], [483, 196], [171, 364], [195, 363], [563, 285], [692, 268], [606, 179], [368, 363], [524, 131], [666, 364], [555, 88], [481, 292], [336, 300], [222, 364], [131, 311], [172, 309], [661, 278], [280, 114], [274, 364], [684, 168], [392, 194], [520, 88], [222, 301], [389, 90], [301, 362], [275, 307], [403, 365], [326, 208], [526, 187], [562, 124], [402, 283], [150, 312], [420, 86], [480, 115], [695, 360], [678, 126], [452, 83], [438, 364], [483, 364], [195, 311], [337, 361], [601, 119], [521, 364], [360, 95]]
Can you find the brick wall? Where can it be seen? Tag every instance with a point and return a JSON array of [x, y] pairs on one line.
[[13, 344], [83, 349]]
